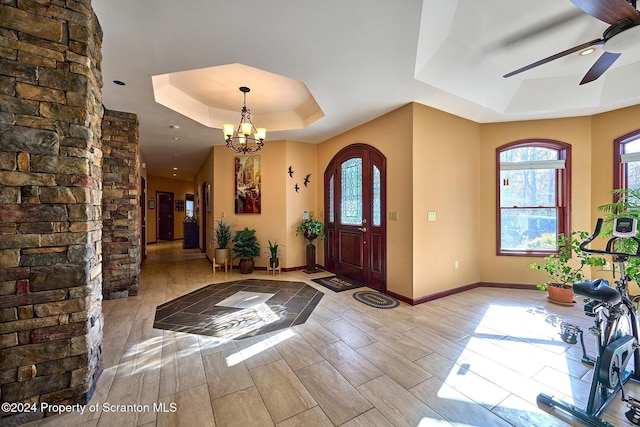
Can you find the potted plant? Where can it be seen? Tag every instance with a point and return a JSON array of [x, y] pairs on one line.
[[222, 236], [246, 247], [274, 251], [565, 267], [311, 229]]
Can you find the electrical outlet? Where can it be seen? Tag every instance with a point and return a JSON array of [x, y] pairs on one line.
[[431, 216], [393, 216], [455, 264]]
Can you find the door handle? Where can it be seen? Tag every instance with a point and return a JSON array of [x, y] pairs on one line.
[[363, 229]]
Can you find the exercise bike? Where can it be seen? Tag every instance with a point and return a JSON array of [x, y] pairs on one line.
[[616, 331]]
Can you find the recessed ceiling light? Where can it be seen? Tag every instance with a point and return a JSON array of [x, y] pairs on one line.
[[175, 169], [175, 174], [177, 139], [119, 82], [588, 51], [174, 127]]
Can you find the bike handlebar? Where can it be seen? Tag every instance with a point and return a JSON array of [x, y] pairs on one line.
[[608, 249]]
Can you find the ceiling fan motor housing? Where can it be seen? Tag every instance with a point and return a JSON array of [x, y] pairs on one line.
[[623, 37]]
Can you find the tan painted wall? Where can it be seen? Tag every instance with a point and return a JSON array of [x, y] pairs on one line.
[[446, 173], [392, 134], [270, 223], [435, 162], [575, 131], [205, 175], [303, 160], [176, 186]]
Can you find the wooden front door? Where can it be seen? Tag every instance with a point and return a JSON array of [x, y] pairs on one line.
[[165, 215], [354, 215]]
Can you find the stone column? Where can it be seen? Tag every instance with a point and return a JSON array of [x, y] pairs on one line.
[[120, 206], [50, 203]]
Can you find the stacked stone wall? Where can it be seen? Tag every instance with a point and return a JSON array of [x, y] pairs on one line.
[[50, 203], [120, 205]]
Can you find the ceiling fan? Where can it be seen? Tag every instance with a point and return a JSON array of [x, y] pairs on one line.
[[623, 35]]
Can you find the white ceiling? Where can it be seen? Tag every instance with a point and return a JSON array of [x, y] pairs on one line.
[[358, 58]]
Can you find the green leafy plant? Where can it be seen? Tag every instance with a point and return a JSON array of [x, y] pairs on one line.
[[626, 205], [566, 267], [274, 249], [310, 227], [222, 232], [245, 244]]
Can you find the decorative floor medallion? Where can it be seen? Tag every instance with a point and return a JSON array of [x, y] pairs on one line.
[[239, 309]]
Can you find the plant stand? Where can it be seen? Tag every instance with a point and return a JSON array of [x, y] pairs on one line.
[[273, 269], [225, 263], [311, 258]]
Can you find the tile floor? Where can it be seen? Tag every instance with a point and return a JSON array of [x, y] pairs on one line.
[[477, 358]]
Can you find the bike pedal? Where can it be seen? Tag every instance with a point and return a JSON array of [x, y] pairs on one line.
[[569, 337], [569, 333]]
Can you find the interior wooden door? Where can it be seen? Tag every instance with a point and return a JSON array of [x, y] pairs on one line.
[[355, 200], [165, 215], [143, 219]]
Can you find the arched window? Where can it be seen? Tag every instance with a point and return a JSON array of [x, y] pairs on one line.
[[626, 159], [533, 193]]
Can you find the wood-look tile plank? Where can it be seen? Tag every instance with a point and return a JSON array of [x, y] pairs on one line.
[[311, 417], [353, 366], [400, 369], [455, 406], [398, 405], [297, 352], [402, 344], [348, 333], [338, 399], [224, 378], [194, 401], [371, 418], [243, 408], [281, 390], [315, 334]]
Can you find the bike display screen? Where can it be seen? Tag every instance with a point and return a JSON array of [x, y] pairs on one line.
[[625, 227]]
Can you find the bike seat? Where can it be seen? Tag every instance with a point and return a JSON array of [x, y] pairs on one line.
[[598, 289]]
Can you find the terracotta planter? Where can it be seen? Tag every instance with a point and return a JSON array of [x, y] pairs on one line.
[[561, 296]]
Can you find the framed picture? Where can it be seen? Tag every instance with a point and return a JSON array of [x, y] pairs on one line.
[[248, 185], [179, 205], [152, 202]]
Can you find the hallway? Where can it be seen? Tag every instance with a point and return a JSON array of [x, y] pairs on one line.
[[478, 358]]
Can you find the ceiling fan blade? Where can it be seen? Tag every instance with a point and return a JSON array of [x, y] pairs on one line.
[[601, 65], [554, 57], [609, 11]]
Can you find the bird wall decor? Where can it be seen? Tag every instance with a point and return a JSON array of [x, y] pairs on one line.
[[306, 180], [290, 172], [296, 187]]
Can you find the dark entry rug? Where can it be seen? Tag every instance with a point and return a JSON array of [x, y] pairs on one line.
[[376, 299], [338, 283], [239, 309]]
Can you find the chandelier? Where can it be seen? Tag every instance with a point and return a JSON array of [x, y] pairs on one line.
[[246, 138]]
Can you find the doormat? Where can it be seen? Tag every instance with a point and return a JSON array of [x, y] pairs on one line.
[[376, 299], [338, 283]]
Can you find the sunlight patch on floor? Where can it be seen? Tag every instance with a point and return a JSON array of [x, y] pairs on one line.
[[259, 347]]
